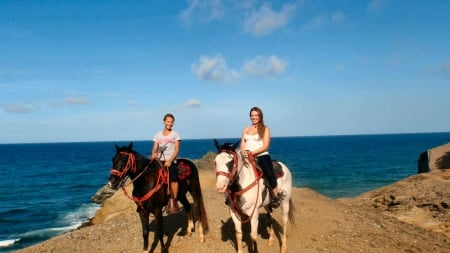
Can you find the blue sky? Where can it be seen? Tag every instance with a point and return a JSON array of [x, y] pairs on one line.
[[109, 70]]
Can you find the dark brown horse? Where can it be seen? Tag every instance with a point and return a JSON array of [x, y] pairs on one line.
[[150, 190]]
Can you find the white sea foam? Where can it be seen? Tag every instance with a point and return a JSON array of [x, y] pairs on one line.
[[8, 243], [67, 222], [81, 215]]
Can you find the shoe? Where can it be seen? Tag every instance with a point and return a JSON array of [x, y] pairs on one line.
[[172, 207], [227, 202]]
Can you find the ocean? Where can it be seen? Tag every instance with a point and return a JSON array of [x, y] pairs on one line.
[[47, 188]]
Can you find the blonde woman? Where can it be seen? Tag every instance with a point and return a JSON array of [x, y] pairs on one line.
[[165, 148]]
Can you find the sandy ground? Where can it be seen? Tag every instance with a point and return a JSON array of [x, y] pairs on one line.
[[322, 225]]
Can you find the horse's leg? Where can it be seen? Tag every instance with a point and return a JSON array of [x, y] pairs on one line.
[[254, 230], [188, 208], [159, 229], [237, 231], [144, 224], [285, 208], [199, 207], [201, 232], [271, 231], [203, 218]]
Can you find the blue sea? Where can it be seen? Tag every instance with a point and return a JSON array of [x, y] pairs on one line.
[[47, 188]]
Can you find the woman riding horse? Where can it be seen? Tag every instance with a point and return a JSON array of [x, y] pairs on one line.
[[150, 191]]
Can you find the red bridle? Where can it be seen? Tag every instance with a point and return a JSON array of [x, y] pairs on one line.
[[131, 165], [233, 175]]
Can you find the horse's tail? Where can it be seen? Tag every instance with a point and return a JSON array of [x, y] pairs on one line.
[[196, 192], [291, 213], [202, 210]]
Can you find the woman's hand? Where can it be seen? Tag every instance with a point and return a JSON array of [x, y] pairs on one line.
[[246, 153]]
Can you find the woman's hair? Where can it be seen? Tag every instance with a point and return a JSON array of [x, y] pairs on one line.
[[169, 115], [260, 127]]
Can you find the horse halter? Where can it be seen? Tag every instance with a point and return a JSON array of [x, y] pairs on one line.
[[234, 175], [131, 164], [231, 174]]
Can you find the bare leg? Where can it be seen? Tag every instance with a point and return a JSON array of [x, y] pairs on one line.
[[174, 186], [173, 202]]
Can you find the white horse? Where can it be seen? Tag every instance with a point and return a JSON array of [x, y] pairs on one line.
[[246, 192]]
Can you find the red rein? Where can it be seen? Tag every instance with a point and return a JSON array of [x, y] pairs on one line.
[[233, 175], [131, 165]]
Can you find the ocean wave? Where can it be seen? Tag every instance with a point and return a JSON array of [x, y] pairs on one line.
[[8, 243], [81, 215], [67, 222]]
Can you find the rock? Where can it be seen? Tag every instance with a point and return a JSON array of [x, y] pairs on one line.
[[422, 200], [439, 157], [103, 194]]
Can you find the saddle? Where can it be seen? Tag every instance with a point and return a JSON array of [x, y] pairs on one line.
[[277, 170], [184, 167]]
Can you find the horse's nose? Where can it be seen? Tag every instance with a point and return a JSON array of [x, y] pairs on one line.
[[221, 187]]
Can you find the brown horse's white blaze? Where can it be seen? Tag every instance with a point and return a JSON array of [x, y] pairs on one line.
[[251, 195]]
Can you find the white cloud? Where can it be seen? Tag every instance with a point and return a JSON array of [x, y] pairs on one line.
[[133, 103], [213, 68], [376, 5], [261, 66], [324, 20], [76, 101], [204, 10], [17, 108], [265, 20], [188, 104], [337, 17], [193, 103]]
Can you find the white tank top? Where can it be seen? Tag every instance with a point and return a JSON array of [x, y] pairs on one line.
[[253, 142]]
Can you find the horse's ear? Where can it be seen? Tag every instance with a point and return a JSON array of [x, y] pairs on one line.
[[216, 143], [117, 147], [130, 146]]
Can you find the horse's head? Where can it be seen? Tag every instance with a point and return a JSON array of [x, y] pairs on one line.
[[123, 162], [226, 162]]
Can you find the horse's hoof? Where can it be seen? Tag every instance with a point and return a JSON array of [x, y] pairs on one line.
[[188, 235], [202, 239]]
